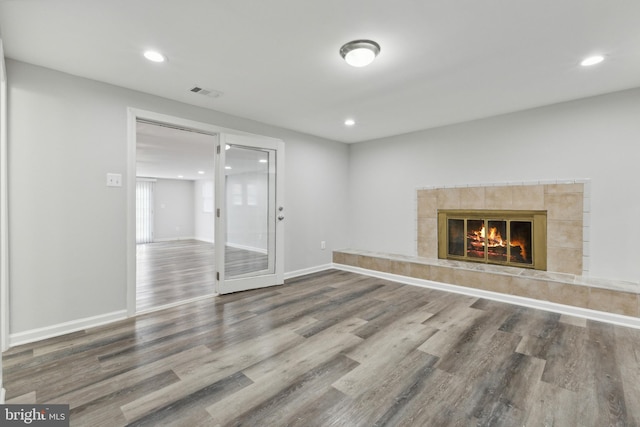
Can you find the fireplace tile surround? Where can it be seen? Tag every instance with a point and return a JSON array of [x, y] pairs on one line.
[[566, 280], [565, 203]]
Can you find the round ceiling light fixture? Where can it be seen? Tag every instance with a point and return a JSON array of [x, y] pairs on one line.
[[349, 122], [360, 53], [154, 56]]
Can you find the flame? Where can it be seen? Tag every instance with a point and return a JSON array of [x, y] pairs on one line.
[[479, 234], [495, 240], [523, 250]]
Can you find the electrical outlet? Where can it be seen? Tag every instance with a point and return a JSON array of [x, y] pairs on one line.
[[114, 180], [323, 245]]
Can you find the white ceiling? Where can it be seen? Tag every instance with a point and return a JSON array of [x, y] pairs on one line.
[[277, 61], [163, 152], [170, 153]]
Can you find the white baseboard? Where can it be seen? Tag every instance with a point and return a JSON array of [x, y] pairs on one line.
[[204, 239], [617, 319], [601, 316], [174, 239], [65, 328], [78, 325], [310, 270], [247, 248]]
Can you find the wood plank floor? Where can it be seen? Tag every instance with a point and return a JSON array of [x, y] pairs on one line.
[[169, 272], [337, 349], [180, 270]]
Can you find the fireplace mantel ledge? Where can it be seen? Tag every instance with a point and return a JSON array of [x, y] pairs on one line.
[[615, 285]]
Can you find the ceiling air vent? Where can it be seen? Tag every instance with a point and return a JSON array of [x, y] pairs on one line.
[[206, 92]]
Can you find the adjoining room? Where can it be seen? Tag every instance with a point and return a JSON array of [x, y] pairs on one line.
[[175, 259]]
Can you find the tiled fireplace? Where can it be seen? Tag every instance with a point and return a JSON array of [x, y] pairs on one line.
[[562, 276], [565, 205]]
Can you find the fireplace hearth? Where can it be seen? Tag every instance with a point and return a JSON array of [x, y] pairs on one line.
[[513, 238]]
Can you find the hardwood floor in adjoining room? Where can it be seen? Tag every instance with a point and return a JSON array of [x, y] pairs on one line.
[[169, 272], [180, 270], [337, 349]]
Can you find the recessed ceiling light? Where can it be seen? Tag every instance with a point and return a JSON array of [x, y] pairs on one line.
[[154, 56], [180, 176], [263, 160], [349, 122], [227, 167], [592, 60], [201, 172], [360, 53]]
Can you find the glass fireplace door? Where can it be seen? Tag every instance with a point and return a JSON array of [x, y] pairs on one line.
[[473, 236]]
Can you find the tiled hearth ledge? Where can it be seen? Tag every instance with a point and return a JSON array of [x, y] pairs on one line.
[[593, 298]]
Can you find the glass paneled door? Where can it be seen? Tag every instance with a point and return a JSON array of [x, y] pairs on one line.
[[249, 213]]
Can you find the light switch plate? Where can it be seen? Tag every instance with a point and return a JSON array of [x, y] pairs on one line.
[[114, 180]]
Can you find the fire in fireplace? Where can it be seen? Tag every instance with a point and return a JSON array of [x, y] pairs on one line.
[[515, 238]]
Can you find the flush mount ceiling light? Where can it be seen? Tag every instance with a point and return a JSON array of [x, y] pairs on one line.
[[349, 122], [154, 56], [592, 60], [360, 53]]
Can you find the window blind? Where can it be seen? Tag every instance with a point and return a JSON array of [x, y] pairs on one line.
[[144, 211]]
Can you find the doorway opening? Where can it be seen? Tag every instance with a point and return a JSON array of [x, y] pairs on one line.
[[174, 225], [212, 239]]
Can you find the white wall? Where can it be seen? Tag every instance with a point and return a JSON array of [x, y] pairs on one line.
[[204, 219], [174, 216], [68, 230], [594, 138]]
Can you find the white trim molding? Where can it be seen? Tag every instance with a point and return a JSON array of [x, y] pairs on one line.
[[310, 270], [65, 328], [173, 239], [4, 223], [4, 211], [247, 248]]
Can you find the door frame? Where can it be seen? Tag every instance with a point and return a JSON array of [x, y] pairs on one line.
[[276, 214], [133, 115], [4, 221]]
